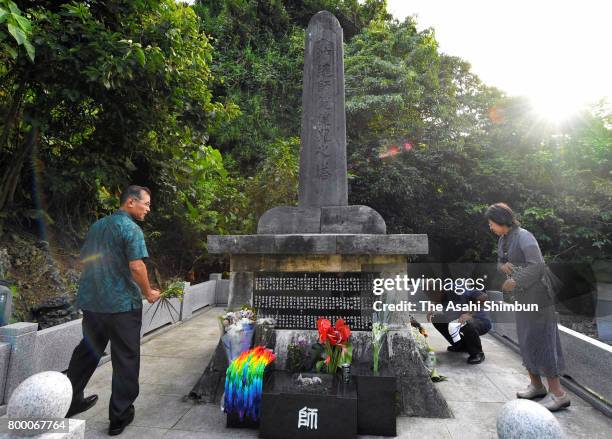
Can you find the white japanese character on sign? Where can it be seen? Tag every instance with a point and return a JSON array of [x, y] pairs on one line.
[[308, 418]]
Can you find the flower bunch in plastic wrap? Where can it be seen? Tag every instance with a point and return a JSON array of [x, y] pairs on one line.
[[237, 328], [236, 319]]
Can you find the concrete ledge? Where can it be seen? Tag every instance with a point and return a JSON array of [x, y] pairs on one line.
[[54, 346], [587, 362], [351, 244], [17, 329], [222, 292], [5, 356], [154, 315], [199, 295], [310, 263], [382, 244]]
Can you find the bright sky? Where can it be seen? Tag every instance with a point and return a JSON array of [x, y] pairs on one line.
[[556, 52]]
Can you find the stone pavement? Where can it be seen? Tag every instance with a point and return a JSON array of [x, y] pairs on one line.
[[172, 362]]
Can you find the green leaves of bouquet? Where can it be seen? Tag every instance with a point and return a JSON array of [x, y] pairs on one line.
[[174, 290]]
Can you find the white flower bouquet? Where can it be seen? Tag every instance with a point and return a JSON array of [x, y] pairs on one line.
[[237, 329]]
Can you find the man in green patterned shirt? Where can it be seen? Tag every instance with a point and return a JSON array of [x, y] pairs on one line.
[[111, 287]]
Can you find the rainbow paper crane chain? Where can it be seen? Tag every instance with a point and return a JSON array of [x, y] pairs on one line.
[[244, 382]]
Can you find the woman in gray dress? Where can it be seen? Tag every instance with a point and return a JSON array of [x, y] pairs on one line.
[[520, 259]]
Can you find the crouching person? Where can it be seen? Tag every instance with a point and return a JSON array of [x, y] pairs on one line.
[[463, 329]]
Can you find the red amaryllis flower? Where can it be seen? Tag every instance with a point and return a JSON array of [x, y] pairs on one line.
[[344, 331], [336, 335], [323, 326], [333, 336]]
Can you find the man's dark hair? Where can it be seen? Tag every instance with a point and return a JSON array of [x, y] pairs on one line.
[[133, 191], [500, 213]]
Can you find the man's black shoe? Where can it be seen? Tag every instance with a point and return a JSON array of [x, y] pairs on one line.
[[82, 405], [456, 348], [476, 358], [117, 427]]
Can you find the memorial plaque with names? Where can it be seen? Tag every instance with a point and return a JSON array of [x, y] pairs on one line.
[[297, 300]]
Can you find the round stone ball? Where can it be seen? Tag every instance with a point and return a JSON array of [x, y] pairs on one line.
[[525, 419], [43, 395]]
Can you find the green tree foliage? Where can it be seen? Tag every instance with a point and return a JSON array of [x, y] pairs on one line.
[[430, 147], [202, 103], [18, 27], [279, 170], [557, 177], [120, 92], [402, 93], [259, 56]]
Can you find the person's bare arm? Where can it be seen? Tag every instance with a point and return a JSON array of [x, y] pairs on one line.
[[139, 273]]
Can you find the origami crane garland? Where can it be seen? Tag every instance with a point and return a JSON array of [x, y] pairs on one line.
[[244, 382]]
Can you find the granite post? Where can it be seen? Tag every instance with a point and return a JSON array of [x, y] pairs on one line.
[[22, 338], [186, 304], [6, 305]]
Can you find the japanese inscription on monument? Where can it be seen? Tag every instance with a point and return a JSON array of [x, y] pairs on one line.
[[323, 154], [297, 300]]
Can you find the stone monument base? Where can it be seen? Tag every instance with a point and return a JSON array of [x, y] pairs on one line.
[[332, 219], [417, 395], [278, 270]]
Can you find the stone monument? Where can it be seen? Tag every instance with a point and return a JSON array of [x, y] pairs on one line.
[[323, 189], [317, 259]]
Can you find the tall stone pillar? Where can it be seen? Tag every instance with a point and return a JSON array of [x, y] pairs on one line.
[[323, 153]]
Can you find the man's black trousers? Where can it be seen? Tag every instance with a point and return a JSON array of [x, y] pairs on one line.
[[123, 331], [470, 332]]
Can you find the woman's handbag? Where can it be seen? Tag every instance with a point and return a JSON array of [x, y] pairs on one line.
[[552, 283]]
